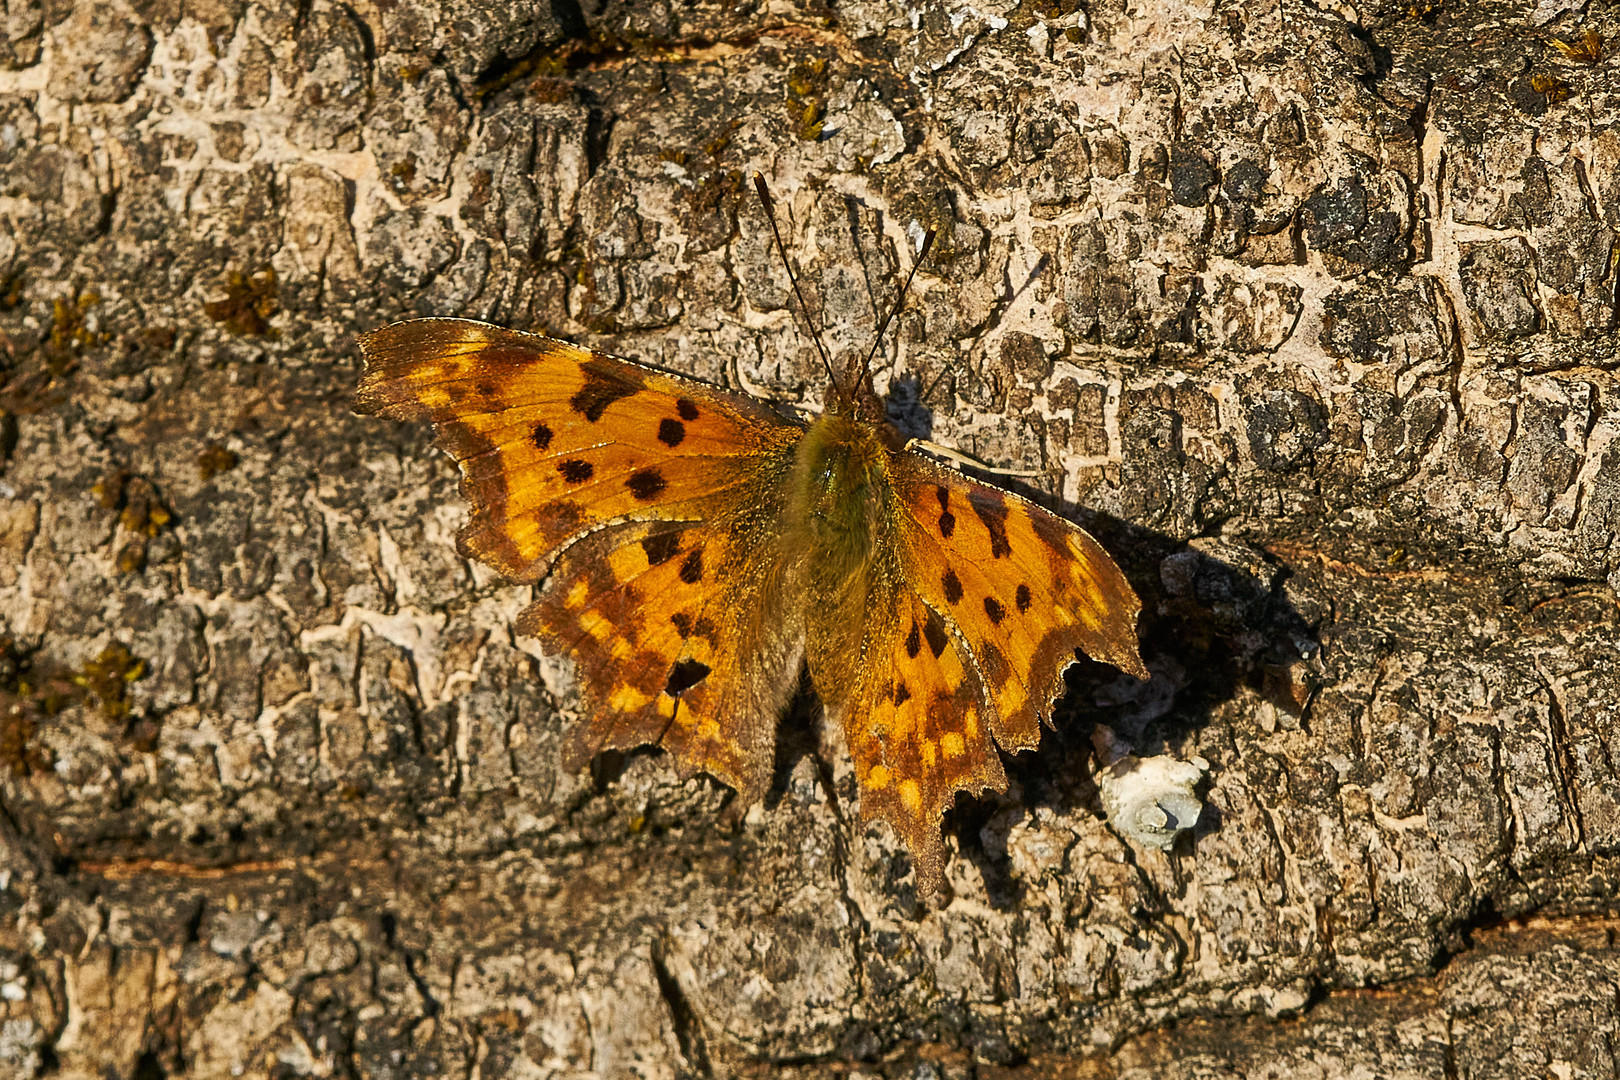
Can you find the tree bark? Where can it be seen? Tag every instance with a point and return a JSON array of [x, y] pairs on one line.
[[1306, 311]]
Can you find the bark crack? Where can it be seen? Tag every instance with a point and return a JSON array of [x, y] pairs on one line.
[[1562, 759]]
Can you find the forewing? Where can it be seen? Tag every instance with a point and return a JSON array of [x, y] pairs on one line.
[[1021, 587], [555, 440]]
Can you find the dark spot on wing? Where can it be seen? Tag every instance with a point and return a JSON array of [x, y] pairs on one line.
[[1051, 530], [575, 471], [687, 410], [993, 608], [901, 694], [953, 586], [487, 390], [642, 670], [661, 548], [692, 567], [934, 631], [671, 432], [604, 385], [947, 520], [540, 436], [685, 675], [1021, 598], [646, 484], [913, 642], [687, 626], [563, 518], [995, 665], [992, 510]]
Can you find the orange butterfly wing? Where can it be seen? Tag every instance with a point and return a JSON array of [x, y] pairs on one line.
[[649, 500], [1024, 586], [918, 730], [997, 594], [662, 621], [555, 440]]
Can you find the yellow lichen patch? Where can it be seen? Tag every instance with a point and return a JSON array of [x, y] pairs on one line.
[[248, 304], [106, 679], [131, 558], [214, 460], [70, 331], [806, 97], [142, 515], [1587, 49], [952, 744], [911, 796], [1556, 90]]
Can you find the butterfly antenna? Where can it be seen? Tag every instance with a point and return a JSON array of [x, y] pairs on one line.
[[899, 302], [804, 309]]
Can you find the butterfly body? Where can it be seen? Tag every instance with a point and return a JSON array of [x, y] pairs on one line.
[[696, 550], [840, 505], [841, 547]]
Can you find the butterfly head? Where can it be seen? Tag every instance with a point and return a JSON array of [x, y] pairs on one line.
[[853, 396]]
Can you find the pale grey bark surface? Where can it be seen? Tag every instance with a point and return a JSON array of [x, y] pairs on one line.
[[1308, 311]]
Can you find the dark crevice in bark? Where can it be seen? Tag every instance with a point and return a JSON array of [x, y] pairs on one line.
[[686, 1023]]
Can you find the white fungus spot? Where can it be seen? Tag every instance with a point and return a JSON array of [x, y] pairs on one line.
[[1149, 801]]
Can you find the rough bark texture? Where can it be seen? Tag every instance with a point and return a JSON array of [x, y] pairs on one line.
[[1308, 311]]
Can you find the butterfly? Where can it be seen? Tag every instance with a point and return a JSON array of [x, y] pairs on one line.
[[697, 549]]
